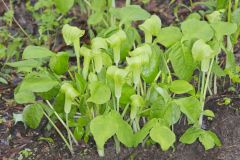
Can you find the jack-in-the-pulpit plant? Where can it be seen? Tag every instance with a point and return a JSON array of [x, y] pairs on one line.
[[128, 93]]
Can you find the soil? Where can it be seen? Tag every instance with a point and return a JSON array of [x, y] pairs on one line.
[[15, 138]]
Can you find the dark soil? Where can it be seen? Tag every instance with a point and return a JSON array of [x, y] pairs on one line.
[[15, 138]]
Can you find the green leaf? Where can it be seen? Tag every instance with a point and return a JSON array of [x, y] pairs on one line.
[[22, 97], [64, 5], [31, 63], [35, 82], [95, 18], [59, 63], [140, 135], [36, 52], [190, 135], [130, 13], [103, 127], [217, 70], [150, 70], [152, 25], [180, 87], [207, 140], [97, 5], [223, 28], [124, 132], [215, 138], [32, 115], [163, 135], [127, 92], [195, 29], [168, 36], [100, 93], [191, 107], [182, 61], [172, 114], [208, 113]]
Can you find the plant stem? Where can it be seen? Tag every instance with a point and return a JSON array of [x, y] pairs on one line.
[[118, 98], [60, 119], [236, 4], [69, 137], [59, 132], [125, 110], [76, 46], [117, 144], [229, 10], [204, 91]]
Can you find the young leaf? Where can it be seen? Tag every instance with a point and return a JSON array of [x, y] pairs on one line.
[[59, 63], [151, 70], [180, 87], [36, 52], [195, 29], [223, 28], [31, 63], [191, 107], [103, 127], [124, 132], [163, 135], [36, 82], [190, 135], [32, 115], [100, 93], [168, 36], [64, 5], [130, 13], [140, 135], [206, 140], [182, 61]]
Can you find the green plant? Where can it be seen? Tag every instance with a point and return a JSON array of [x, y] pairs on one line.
[[50, 17], [124, 88]]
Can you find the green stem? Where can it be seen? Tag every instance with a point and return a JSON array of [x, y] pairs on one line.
[[69, 136], [118, 98], [236, 5], [117, 144], [76, 46], [229, 10], [203, 94], [59, 132], [60, 119], [125, 110]]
